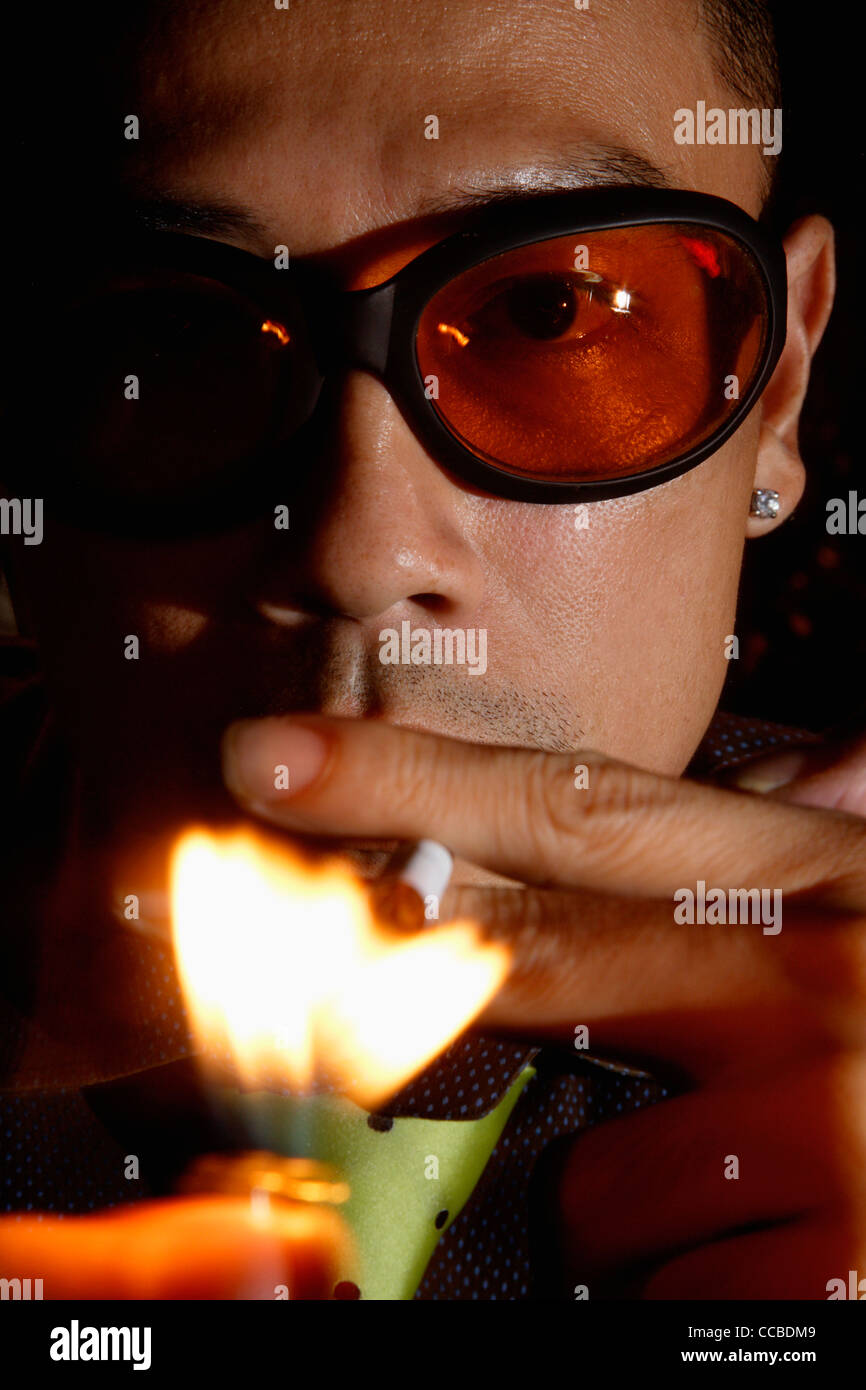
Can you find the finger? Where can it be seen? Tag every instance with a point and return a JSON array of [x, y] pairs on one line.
[[218, 1247], [191, 1248], [617, 977], [519, 813], [805, 1260], [703, 1166], [833, 776]]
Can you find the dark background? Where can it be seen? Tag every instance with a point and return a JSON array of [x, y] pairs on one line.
[[802, 623]]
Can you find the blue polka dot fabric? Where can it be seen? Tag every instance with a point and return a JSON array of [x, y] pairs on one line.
[[485, 1253], [732, 740], [55, 1159]]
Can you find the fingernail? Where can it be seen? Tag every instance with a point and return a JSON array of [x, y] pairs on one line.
[[768, 774], [267, 760]]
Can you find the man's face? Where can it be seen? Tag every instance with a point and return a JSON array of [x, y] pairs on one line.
[[610, 636]]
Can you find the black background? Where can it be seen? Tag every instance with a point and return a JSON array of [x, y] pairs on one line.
[[802, 622]]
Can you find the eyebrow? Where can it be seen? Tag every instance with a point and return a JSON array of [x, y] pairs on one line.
[[166, 213], [608, 165]]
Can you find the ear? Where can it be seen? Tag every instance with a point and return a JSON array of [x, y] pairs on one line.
[[811, 285]]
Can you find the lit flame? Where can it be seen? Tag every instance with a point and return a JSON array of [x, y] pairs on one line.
[[284, 967], [269, 326], [453, 332]]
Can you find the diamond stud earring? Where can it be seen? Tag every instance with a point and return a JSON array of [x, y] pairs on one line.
[[765, 503]]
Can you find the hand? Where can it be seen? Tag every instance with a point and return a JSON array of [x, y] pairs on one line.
[[180, 1248], [767, 1028], [833, 776]]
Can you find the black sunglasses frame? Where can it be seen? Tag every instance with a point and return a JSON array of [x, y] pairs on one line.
[[389, 352], [375, 329]]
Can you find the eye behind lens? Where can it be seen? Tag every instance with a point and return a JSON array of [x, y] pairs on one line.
[[161, 388], [542, 307], [596, 355]]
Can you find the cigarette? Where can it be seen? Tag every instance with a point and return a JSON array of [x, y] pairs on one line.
[[407, 893], [405, 896]]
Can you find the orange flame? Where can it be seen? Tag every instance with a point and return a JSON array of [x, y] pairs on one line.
[[283, 965]]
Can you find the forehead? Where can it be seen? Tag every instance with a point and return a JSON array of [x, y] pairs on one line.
[[317, 116]]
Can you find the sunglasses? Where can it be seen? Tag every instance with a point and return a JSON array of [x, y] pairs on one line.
[[566, 347]]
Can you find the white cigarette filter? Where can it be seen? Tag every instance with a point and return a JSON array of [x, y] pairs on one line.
[[413, 875], [426, 867]]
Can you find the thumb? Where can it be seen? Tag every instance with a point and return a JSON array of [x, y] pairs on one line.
[[179, 1248], [832, 775]]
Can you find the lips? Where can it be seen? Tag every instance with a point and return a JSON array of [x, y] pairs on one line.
[[368, 857]]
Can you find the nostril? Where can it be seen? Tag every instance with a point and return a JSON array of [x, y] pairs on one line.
[[434, 603]]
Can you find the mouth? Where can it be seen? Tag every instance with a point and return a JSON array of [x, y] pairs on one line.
[[368, 857]]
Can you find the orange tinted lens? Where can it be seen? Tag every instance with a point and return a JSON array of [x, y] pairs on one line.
[[595, 355]]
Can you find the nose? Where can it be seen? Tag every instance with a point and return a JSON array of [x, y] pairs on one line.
[[382, 529]]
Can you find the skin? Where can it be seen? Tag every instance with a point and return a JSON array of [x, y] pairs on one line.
[[606, 645]]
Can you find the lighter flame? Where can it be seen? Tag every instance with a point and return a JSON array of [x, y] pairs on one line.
[[283, 965]]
